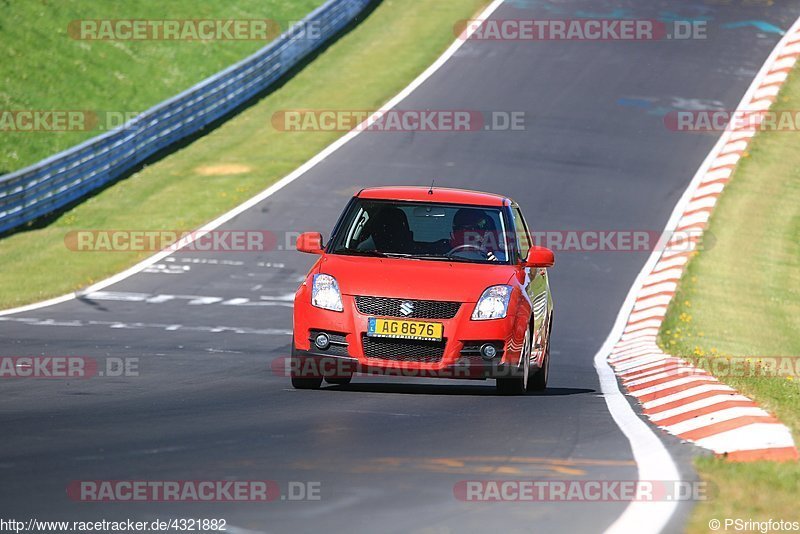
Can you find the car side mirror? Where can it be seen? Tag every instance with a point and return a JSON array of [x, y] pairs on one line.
[[540, 257], [310, 242]]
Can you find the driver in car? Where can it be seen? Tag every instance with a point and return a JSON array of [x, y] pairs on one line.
[[474, 231]]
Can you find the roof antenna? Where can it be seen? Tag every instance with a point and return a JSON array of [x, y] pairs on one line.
[[430, 191]]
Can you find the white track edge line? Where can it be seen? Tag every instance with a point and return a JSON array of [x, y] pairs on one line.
[[652, 458]]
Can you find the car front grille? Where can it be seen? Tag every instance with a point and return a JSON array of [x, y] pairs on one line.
[[420, 309], [403, 350]]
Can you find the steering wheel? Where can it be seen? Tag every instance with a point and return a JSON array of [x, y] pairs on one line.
[[465, 247]]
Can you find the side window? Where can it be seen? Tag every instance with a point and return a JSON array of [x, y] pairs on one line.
[[355, 236], [523, 239]]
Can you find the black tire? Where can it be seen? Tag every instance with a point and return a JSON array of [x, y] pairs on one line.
[[339, 380], [538, 382], [517, 385], [303, 382]]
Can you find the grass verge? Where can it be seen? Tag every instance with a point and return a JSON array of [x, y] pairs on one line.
[[363, 70], [108, 77], [741, 298]]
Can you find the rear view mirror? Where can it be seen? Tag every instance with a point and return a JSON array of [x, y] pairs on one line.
[[429, 211], [310, 242], [540, 257]]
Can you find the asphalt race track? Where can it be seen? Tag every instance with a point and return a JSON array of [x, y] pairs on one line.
[[595, 155]]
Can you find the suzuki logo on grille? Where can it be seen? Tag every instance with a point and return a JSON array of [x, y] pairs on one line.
[[407, 308]]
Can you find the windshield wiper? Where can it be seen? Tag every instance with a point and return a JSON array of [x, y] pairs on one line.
[[441, 257], [375, 253], [354, 252], [435, 257]]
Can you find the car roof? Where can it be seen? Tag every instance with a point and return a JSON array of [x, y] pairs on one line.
[[440, 194]]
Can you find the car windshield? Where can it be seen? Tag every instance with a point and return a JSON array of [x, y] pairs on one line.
[[419, 230]]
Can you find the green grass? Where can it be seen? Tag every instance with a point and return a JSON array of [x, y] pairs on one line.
[[741, 298], [362, 70], [44, 68]]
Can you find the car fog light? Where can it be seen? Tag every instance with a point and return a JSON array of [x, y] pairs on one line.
[[488, 351], [322, 341]]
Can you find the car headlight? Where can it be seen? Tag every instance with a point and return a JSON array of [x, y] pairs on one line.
[[493, 304], [325, 293]]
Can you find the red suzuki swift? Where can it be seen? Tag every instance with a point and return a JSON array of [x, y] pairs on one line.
[[419, 281]]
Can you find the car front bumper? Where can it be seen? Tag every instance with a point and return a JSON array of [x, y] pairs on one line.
[[460, 356]]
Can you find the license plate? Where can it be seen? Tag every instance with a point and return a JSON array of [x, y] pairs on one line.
[[403, 329]]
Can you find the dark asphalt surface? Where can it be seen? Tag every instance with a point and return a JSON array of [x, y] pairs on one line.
[[595, 155]]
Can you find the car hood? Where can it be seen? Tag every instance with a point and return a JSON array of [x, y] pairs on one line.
[[413, 279]]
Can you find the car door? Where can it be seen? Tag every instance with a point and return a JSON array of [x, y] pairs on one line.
[[536, 283]]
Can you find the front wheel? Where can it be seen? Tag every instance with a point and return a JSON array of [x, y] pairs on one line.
[[303, 378], [538, 382], [517, 385]]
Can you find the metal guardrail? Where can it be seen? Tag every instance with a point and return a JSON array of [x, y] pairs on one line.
[[70, 175]]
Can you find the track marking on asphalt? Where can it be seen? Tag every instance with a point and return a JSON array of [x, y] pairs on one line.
[[163, 268], [167, 327], [227, 263], [221, 351], [474, 465], [178, 266], [204, 261], [191, 300]]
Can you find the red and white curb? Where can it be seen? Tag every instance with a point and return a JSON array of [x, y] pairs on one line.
[[679, 398]]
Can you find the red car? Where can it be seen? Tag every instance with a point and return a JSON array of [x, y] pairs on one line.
[[419, 281]]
